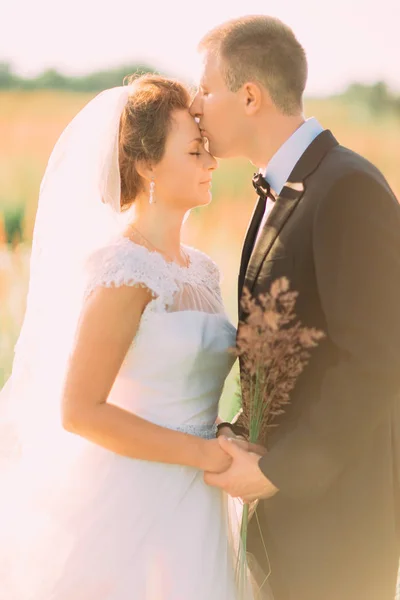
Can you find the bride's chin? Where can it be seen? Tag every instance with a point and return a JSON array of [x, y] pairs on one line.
[[200, 200], [207, 198]]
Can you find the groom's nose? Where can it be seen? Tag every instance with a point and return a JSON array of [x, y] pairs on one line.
[[195, 108]]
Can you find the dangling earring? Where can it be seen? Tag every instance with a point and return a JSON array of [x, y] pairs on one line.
[[152, 187]]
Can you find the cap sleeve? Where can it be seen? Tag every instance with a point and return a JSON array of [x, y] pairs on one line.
[[127, 264]]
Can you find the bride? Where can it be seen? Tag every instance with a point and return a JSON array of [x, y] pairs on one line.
[[107, 422]]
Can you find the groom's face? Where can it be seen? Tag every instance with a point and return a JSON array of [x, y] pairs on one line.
[[218, 110]]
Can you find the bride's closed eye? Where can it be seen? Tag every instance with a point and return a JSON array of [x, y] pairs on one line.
[[198, 152]]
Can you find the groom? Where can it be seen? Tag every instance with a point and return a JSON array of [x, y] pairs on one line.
[[327, 220]]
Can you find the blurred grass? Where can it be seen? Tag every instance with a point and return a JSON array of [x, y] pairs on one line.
[[31, 122]]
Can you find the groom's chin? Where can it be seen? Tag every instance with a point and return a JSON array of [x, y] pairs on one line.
[[217, 151]]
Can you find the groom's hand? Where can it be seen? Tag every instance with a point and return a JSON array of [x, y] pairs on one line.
[[248, 446], [241, 441], [244, 478], [227, 432]]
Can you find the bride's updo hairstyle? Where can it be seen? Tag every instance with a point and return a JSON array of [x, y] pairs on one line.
[[145, 123]]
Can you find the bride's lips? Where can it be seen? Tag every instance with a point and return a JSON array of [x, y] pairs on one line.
[[207, 183]]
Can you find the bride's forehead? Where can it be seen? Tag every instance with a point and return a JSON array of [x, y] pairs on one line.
[[184, 125]]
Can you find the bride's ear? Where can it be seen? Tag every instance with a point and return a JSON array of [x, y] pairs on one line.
[[145, 169]]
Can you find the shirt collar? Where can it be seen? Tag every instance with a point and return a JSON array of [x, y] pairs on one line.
[[282, 163]]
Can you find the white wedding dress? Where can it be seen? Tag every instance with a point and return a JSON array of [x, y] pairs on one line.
[[113, 528]]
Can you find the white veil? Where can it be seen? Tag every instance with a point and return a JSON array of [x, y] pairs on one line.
[[78, 211]]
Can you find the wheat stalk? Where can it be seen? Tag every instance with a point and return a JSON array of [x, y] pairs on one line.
[[274, 349]]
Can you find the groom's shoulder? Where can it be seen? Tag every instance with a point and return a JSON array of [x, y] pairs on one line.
[[343, 168], [343, 163]]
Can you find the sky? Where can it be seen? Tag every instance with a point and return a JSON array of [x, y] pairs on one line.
[[345, 40]]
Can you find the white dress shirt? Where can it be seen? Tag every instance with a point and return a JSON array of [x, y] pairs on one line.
[[282, 163]]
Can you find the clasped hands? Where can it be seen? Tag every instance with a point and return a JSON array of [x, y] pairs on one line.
[[242, 477]]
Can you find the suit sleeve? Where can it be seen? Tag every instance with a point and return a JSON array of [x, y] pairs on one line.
[[356, 247]]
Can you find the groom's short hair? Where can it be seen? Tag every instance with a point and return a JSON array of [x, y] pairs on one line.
[[263, 49]]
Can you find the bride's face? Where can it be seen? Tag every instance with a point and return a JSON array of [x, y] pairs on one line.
[[183, 176]]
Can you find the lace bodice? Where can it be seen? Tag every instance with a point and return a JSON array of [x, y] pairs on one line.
[[173, 287]]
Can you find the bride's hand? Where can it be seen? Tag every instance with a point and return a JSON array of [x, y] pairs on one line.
[[214, 459]]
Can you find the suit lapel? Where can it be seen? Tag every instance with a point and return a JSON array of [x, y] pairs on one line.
[[285, 204], [283, 208]]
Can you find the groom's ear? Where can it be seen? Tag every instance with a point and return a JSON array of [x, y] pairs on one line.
[[253, 97]]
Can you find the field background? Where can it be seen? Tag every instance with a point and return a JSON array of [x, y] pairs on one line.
[[31, 121]]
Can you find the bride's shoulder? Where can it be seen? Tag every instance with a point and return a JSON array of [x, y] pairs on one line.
[[120, 256], [203, 262], [199, 256], [122, 262], [119, 251]]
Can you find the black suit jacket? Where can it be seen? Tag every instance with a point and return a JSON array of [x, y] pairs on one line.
[[332, 531]]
